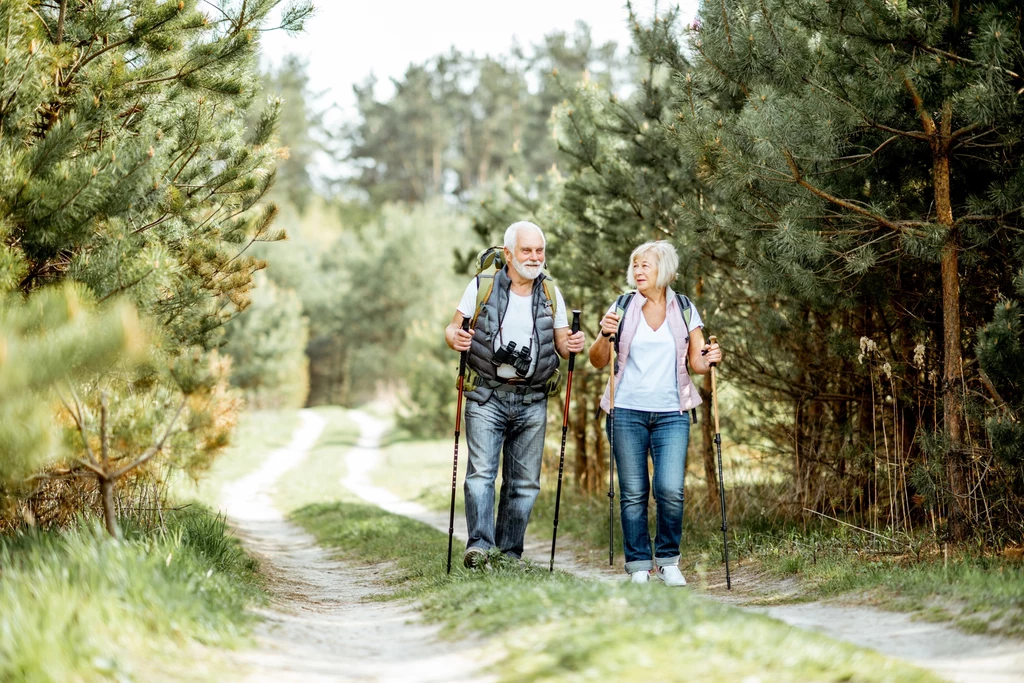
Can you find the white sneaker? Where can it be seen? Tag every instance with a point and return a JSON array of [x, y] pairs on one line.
[[671, 576], [642, 576]]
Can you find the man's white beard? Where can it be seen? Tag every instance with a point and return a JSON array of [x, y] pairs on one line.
[[529, 270]]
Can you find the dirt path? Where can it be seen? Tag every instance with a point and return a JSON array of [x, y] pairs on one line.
[[953, 655], [321, 625]]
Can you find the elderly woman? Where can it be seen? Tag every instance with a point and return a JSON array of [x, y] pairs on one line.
[[660, 331]]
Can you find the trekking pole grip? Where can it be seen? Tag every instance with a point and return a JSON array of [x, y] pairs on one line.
[[711, 340], [462, 356], [574, 329]]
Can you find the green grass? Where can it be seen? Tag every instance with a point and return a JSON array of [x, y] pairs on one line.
[[80, 606], [319, 477], [421, 470], [76, 605], [558, 627], [979, 593], [975, 592]]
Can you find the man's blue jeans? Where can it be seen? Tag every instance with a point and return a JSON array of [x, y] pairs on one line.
[[503, 420], [665, 436]]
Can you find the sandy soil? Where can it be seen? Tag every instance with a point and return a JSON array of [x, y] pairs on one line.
[[322, 624], [953, 655]]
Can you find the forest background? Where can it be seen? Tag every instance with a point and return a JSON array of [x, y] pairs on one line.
[[841, 180], [842, 184]]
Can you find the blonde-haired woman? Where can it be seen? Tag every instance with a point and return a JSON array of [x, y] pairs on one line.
[[660, 331]]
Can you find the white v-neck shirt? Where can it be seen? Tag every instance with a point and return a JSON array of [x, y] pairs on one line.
[[649, 381]]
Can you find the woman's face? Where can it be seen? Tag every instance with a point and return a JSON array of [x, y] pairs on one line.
[[645, 272]]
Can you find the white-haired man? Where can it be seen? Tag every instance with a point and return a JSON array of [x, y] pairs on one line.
[[511, 370]]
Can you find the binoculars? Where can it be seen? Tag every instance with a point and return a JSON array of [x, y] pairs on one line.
[[520, 360]]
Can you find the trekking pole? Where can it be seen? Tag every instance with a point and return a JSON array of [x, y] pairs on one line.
[[611, 459], [565, 426], [721, 482], [455, 462]]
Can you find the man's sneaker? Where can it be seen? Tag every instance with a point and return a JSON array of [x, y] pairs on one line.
[[641, 576], [670, 575], [474, 557]]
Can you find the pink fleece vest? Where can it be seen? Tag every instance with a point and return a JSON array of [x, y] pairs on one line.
[[689, 397]]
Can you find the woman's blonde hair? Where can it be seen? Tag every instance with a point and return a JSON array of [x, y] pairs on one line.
[[665, 258]]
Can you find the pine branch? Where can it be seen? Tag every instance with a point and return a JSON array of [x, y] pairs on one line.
[[964, 60], [743, 88], [1000, 402], [927, 122], [725, 22], [79, 419], [165, 217], [917, 135], [128, 286], [849, 206], [49, 33], [771, 28], [154, 449]]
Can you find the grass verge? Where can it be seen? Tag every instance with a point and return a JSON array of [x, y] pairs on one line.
[[78, 605], [978, 593], [558, 627]]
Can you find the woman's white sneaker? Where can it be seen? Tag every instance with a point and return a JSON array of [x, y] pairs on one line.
[[671, 576], [642, 576]]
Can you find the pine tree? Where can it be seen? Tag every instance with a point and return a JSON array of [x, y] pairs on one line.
[[872, 168], [53, 337], [1000, 351], [126, 166]]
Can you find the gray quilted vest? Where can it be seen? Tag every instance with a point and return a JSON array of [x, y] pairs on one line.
[[483, 377]]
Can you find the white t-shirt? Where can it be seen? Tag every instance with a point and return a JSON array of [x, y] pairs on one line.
[[517, 325], [650, 381]]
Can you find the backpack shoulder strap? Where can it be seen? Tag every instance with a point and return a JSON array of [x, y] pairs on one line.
[[482, 293], [621, 304], [550, 294], [686, 307]]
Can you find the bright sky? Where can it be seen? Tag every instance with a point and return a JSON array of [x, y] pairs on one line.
[[348, 40]]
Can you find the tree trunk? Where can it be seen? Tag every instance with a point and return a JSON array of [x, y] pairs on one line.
[[708, 444], [109, 514], [59, 38], [952, 403]]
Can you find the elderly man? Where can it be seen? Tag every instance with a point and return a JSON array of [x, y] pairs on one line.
[[512, 369]]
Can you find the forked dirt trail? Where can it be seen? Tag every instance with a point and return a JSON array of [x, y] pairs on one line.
[[321, 625], [953, 655]]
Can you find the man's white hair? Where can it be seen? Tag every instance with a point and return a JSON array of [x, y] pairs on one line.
[[664, 256], [512, 234]]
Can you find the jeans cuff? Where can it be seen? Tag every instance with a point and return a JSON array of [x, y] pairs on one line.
[[667, 561], [638, 566]]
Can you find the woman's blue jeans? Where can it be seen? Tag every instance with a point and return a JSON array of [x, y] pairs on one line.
[[508, 420], [665, 436]]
